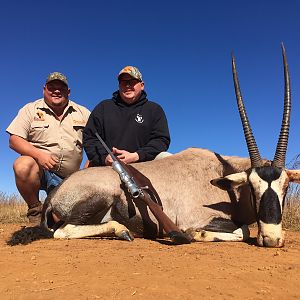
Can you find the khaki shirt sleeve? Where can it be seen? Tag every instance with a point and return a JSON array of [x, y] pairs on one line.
[[21, 124], [85, 112]]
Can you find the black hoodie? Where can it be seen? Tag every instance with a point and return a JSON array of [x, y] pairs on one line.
[[138, 127]]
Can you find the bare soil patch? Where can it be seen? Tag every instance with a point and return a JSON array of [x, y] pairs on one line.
[[144, 269]]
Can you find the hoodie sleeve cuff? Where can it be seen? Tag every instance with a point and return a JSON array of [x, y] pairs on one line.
[[142, 155], [96, 161]]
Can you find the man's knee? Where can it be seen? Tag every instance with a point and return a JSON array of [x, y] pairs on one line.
[[163, 155], [24, 166]]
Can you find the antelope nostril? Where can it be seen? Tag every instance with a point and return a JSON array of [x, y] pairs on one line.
[[268, 242]]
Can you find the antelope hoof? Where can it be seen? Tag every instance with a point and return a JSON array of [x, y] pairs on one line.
[[180, 238], [125, 235]]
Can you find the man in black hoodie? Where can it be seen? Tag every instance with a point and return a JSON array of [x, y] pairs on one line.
[[135, 128]]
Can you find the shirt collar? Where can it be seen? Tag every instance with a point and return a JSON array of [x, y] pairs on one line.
[[44, 106]]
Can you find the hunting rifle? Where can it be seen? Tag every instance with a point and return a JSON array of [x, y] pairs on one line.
[[138, 192]]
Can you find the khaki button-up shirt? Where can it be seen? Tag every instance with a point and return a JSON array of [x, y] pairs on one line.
[[36, 123]]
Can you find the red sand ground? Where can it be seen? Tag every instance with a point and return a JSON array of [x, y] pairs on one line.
[[143, 269]]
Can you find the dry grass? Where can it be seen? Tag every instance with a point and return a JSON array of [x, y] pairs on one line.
[[291, 214], [12, 209]]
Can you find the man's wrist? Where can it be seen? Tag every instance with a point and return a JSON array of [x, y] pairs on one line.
[[136, 156]]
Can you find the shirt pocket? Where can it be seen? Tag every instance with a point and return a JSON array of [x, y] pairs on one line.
[[78, 129], [39, 132]]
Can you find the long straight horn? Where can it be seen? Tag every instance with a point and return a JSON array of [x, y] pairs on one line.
[[279, 157], [251, 144]]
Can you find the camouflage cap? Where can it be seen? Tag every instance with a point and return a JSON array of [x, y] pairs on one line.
[[132, 71], [57, 76]]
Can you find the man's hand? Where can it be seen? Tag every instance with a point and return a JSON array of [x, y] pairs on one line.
[[108, 160], [123, 155], [47, 160]]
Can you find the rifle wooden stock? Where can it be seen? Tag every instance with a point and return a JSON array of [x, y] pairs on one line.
[[159, 214]]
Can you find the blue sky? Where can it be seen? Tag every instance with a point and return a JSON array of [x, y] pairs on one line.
[[183, 49]]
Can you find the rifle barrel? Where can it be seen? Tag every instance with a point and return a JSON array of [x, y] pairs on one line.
[[105, 146]]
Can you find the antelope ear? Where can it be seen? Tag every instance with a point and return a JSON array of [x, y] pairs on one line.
[[231, 181], [294, 175]]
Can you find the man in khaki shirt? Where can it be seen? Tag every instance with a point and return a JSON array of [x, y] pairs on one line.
[[48, 135]]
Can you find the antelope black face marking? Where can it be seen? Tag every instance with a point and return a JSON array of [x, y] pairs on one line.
[[268, 173], [269, 208], [267, 185]]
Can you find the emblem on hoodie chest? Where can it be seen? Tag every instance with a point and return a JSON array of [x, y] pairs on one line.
[[139, 118]]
